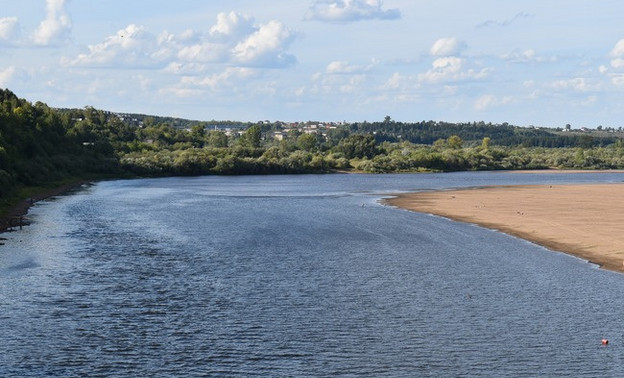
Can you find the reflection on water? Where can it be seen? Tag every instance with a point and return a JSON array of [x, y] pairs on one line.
[[294, 276]]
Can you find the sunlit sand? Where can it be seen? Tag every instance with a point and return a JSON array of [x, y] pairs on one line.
[[585, 220]]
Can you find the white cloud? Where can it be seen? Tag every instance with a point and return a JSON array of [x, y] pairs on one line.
[[9, 29], [206, 52], [401, 88], [615, 70], [617, 80], [133, 46], [484, 102], [488, 101], [443, 69], [178, 68], [395, 81], [229, 77], [618, 50], [56, 27], [231, 26], [450, 68], [350, 10], [518, 16], [344, 67], [354, 83], [233, 40], [6, 75], [266, 46], [527, 56], [447, 47], [578, 84], [338, 77], [617, 63]]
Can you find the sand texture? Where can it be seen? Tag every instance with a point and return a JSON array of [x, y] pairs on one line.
[[586, 220]]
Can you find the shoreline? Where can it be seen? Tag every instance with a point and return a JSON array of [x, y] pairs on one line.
[[16, 216], [582, 220]]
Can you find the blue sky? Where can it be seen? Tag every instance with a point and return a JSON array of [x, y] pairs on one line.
[[530, 62]]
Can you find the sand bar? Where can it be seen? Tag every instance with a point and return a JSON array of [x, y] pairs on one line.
[[585, 220]]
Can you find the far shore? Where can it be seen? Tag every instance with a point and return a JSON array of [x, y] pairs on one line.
[[584, 220]]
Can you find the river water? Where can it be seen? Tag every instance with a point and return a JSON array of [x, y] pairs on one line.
[[295, 276]]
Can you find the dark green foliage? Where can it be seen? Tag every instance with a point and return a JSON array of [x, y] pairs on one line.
[[357, 146], [427, 132], [41, 146]]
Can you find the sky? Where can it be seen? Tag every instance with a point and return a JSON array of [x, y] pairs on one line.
[[531, 62]]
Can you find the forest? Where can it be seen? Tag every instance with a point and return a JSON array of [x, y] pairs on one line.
[[42, 146]]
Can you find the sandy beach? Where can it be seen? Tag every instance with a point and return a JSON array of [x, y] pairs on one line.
[[585, 220]]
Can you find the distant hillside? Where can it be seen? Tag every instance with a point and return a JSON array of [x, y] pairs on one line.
[[427, 132], [141, 120]]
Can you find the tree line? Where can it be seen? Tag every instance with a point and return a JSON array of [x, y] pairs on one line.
[[40, 145]]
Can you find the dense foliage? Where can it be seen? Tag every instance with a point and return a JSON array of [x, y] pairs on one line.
[[40, 145]]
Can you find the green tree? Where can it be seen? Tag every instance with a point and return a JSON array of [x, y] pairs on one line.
[[455, 142], [198, 135], [217, 139], [307, 142], [485, 144], [251, 138], [358, 146]]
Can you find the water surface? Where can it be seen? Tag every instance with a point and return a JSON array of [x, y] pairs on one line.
[[295, 276]]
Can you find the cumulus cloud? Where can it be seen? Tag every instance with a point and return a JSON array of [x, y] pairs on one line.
[[443, 69], [350, 10], [266, 46], [231, 26], [450, 68], [132, 46], [56, 27], [233, 40], [9, 29], [448, 65], [447, 47], [615, 69]]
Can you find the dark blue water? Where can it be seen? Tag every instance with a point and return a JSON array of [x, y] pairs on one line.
[[295, 276]]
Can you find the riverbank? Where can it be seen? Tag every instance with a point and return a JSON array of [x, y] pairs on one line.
[[15, 215], [582, 219]]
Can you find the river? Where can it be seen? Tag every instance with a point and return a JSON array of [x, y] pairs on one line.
[[295, 276]]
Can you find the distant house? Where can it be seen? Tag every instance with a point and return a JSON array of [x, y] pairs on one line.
[[279, 135]]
